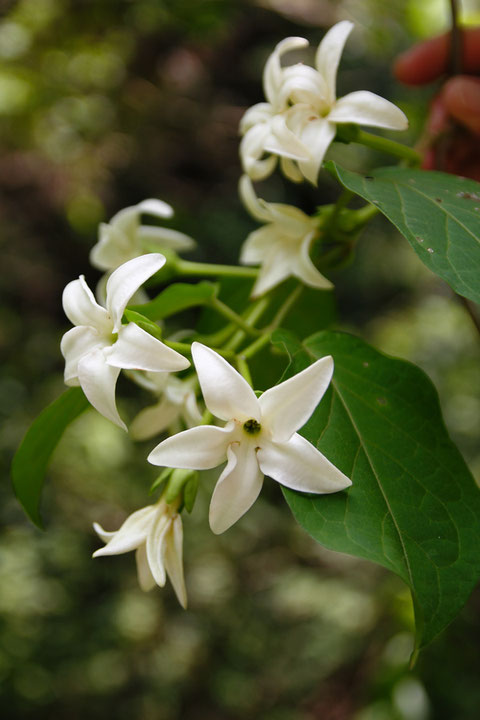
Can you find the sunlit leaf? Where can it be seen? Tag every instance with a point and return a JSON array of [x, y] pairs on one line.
[[439, 214], [413, 506], [32, 457]]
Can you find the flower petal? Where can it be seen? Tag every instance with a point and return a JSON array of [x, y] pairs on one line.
[[199, 448], [136, 349], [303, 84], [272, 73], [113, 248], [130, 535], [366, 108], [173, 556], [226, 393], [287, 407], [238, 487], [75, 344], [153, 420], [156, 546], [277, 265], [252, 148], [144, 574], [165, 237], [105, 535], [81, 308], [297, 464], [282, 141], [305, 269], [328, 55], [257, 245], [98, 381], [290, 170], [258, 209], [126, 280], [155, 207], [317, 135]]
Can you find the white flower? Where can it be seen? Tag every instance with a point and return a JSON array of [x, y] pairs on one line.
[[264, 124], [125, 237], [156, 533], [307, 105], [177, 405], [259, 438], [282, 246], [99, 346]]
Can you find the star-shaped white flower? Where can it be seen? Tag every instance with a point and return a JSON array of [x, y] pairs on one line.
[[306, 111], [156, 533], [100, 346], [264, 125], [125, 237], [177, 404], [259, 438], [315, 110], [282, 246]]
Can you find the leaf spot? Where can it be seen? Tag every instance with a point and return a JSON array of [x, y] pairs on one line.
[[382, 401], [430, 250]]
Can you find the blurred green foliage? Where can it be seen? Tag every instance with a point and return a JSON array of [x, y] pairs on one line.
[[103, 104]]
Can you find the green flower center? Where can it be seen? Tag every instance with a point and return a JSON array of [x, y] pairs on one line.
[[252, 427]]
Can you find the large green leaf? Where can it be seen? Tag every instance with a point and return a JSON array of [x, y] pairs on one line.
[[32, 457], [177, 297], [439, 214], [413, 506]]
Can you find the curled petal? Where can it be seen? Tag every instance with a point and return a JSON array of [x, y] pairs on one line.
[[290, 170], [199, 448], [136, 349], [126, 280], [303, 84], [156, 539], [329, 53], [252, 148], [98, 381], [173, 557], [297, 464], [286, 407], [258, 114], [238, 487], [130, 535], [144, 574], [277, 265], [81, 308], [366, 108], [226, 393], [306, 270], [273, 73], [166, 237], [257, 245], [75, 344], [155, 207], [112, 249], [257, 208]]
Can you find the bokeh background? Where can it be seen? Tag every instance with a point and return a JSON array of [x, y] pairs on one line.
[[102, 104]]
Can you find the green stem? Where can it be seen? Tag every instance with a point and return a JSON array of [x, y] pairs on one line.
[[365, 213], [389, 146], [186, 267], [264, 339], [253, 314], [186, 349], [231, 315], [219, 338]]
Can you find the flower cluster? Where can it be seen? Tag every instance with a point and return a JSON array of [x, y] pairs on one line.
[[298, 123], [211, 414]]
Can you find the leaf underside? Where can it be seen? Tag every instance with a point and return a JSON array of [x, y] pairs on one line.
[[413, 506], [31, 459], [438, 213]]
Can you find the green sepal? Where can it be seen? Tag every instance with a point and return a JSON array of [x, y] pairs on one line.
[[143, 322], [163, 477], [176, 483], [190, 491]]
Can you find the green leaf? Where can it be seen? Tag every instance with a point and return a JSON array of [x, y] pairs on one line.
[[413, 506], [31, 459], [439, 214], [177, 297]]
